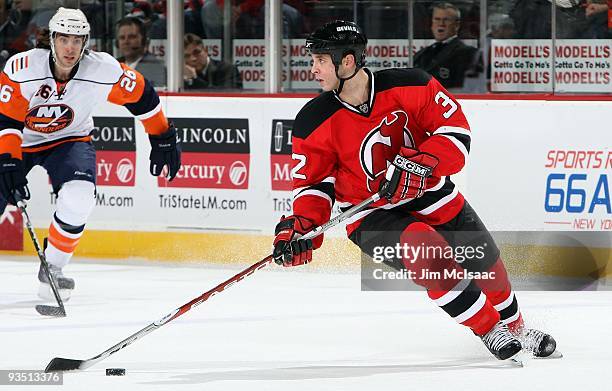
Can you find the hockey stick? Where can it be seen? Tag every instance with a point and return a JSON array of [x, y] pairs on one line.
[[47, 310], [64, 364]]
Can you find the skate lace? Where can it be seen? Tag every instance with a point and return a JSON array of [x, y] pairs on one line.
[[531, 339], [498, 337]]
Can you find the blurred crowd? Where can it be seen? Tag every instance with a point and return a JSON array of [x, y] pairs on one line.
[[452, 28]]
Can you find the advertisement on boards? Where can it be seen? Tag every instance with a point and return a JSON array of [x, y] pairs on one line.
[[526, 65], [215, 153]]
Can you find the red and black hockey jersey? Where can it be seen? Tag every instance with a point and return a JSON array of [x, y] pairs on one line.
[[341, 152]]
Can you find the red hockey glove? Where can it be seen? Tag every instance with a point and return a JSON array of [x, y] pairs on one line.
[[289, 249], [406, 176]]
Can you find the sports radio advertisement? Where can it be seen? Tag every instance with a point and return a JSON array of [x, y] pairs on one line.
[[545, 168]]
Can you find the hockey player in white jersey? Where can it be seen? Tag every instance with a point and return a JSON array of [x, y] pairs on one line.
[[47, 96]]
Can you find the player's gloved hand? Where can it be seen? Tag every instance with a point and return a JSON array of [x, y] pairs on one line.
[[165, 150], [289, 249], [13, 179], [406, 176]]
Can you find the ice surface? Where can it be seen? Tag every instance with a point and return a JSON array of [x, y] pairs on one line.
[[284, 329]]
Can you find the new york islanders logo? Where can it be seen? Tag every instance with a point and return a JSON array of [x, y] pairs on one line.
[[382, 144], [49, 118]]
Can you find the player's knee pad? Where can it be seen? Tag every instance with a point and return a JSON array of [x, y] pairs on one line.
[[75, 202]]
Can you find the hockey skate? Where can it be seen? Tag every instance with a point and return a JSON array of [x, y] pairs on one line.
[[539, 344], [501, 342], [65, 285]]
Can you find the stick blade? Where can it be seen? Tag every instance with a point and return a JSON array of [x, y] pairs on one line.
[[49, 310], [63, 364]]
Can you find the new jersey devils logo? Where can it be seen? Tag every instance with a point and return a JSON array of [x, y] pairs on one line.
[[382, 144], [49, 118]]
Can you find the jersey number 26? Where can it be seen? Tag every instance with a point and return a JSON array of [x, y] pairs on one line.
[[128, 81]]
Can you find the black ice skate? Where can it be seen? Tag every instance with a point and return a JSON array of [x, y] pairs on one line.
[[539, 344], [65, 285], [501, 342]]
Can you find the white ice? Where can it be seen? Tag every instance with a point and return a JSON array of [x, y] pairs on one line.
[[284, 330]]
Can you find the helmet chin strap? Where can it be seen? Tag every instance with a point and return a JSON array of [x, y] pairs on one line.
[[342, 80]]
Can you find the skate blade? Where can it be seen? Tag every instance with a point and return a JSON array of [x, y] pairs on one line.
[[518, 359], [516, 362], [46, 293], [554, 356]]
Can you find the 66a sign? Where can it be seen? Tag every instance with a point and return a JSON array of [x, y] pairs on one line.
[[577, 191]]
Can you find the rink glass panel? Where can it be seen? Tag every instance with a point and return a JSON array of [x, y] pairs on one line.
[[523, 46]]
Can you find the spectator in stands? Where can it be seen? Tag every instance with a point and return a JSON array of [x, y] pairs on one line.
[[248, 19], [251, 21], [40, 17], [23, 12], [33, 19], [9, 31], [597, 14], [211, 15], [596, 6], [191, 19], [448, 59], [94, 11], [532, 19], [575, 19], [132, 43], [571, 18], [202, 72], [501, 26], [143, 10]]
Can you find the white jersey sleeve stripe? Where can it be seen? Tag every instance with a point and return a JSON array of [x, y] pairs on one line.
[[16, 132], [316, 193], [151, 113], [297, 190], [452, 129]]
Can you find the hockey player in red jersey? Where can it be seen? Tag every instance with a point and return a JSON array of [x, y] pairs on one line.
[[398, 132], [46, 103]]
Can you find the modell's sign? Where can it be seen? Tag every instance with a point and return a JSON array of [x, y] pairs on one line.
[[280, 154], [215, 153], [115, 142]]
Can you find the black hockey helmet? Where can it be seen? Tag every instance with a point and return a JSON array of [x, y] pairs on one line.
[[339, 38]]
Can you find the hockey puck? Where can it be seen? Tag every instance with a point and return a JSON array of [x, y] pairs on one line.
[[115, 371]]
